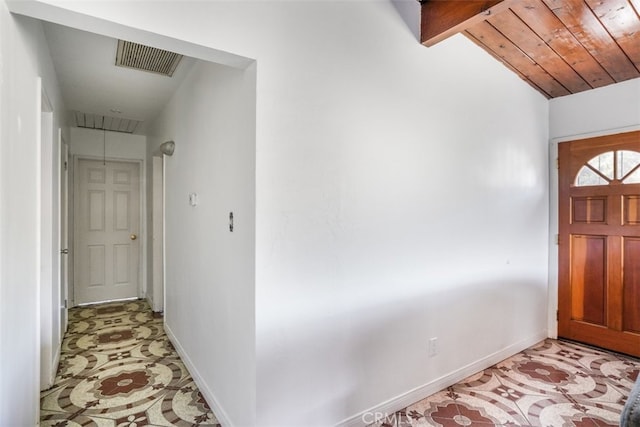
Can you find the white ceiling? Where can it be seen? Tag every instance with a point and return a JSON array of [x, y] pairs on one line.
[[91, 83]]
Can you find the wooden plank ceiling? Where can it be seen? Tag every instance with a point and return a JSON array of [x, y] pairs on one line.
[[559, 47]]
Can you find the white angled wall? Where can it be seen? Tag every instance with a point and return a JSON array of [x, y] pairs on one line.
[[401, 194], [28, 214], [210, 271]]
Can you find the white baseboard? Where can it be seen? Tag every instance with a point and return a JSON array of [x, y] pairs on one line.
[[221, 415], [50, 381], [403, 400], [55, 365]]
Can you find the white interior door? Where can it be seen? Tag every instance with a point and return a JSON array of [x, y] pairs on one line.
[[107, 259], [64, 234]]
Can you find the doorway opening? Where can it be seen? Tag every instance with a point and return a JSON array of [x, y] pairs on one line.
[[599, 242], [106, 229]]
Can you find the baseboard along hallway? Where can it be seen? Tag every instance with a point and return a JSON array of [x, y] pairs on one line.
[[118, 368]]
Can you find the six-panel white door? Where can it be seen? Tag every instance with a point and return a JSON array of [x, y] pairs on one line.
[[107, 228]]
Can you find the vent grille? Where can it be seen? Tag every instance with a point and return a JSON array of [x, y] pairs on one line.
[[100, 122], [146, 58]]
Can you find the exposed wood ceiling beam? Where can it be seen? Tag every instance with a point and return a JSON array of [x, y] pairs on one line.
[[559, 47], [444, 18]]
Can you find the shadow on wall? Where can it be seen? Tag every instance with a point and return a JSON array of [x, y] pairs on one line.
[[350, 361], [409, 11]]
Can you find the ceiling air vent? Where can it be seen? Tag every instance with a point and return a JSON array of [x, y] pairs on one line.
[[100, 122], [146, 58]]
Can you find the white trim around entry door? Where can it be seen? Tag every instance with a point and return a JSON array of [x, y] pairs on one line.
[[143, 221]]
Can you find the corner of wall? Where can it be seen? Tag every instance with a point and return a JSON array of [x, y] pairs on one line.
[[200, 381]]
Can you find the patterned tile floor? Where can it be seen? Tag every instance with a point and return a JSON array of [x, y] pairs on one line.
[[118, 369], [553, 384]]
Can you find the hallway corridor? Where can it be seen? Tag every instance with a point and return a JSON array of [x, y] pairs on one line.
[[119, 369]]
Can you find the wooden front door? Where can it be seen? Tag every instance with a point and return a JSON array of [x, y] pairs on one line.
[[599, 241]]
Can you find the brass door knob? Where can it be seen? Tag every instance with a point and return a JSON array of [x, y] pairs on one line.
[[133, 237]]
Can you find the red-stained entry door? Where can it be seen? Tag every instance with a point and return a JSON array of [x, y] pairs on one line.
[[599, 241]]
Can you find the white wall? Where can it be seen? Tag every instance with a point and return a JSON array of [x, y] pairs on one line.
[[27, 254], [210, 271], [607, 110], [402, 194], [90, 142]]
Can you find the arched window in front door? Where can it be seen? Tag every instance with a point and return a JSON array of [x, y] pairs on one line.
[[622, 166]]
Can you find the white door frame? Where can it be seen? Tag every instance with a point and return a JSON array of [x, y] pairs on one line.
[[63, 229], [49, 338], [142, 231], [157, 249]]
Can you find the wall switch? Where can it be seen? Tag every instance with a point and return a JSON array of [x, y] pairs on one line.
[[433, 347], [193, 199]]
